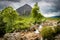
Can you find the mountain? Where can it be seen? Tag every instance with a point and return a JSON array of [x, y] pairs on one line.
[[24, 10]]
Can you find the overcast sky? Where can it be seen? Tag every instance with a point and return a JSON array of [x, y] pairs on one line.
[[47, 7]]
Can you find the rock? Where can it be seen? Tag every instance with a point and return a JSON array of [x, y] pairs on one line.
[[22, 36], [12, 36], [1, 38], [49, 23], [34, 27], [57, 37], [37, 31]]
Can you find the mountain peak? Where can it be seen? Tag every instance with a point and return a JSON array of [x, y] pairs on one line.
[[24, 10], [26, 5]]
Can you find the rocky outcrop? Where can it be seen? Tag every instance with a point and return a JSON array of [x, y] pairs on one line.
[[50, 23], [12, 36], [22, 36]]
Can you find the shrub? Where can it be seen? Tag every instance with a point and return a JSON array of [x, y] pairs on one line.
[[26, 23], [57, 29], [47, 32], [8, 17], [2, 25], [58, 23], [36, 14], [10, 21]]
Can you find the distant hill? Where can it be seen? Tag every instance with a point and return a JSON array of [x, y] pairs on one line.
[[24, 10], [55, 16]]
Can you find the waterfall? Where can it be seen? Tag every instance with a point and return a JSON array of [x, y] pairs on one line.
[[39, 29]]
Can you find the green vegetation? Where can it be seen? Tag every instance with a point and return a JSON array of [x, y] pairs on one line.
[[47, 32], [10, 16], [10, 19], [57, 19], [36, 14], [57, 29], [2, 25]]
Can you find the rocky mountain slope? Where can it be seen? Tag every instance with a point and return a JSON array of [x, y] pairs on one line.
[[24, 10]]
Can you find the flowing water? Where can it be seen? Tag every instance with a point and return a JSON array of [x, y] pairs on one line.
[[39, 29]]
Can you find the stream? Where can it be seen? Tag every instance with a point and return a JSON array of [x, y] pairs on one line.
[[39, 29]]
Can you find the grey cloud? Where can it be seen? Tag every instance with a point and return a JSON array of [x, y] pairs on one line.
[[14, 0], [11, 0], [36, 0], [22, 0], [56, 5], [3, 4], [15, 5], [54, 8]]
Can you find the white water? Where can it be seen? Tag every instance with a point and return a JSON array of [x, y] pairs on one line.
[[39, 29]]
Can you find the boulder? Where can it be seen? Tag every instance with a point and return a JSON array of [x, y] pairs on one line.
[[12, 36]]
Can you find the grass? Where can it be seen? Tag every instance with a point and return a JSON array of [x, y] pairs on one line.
[[57, 19]]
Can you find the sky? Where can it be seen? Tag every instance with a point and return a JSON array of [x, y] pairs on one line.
[[48, 7]]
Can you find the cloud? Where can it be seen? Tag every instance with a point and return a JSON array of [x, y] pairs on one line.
[[4, 4], [36, 0], [51, 14], [11, 0], [14, 0], [55, 4], [48, 7]]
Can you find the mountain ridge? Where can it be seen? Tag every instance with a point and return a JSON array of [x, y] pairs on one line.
[[24, 10]]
